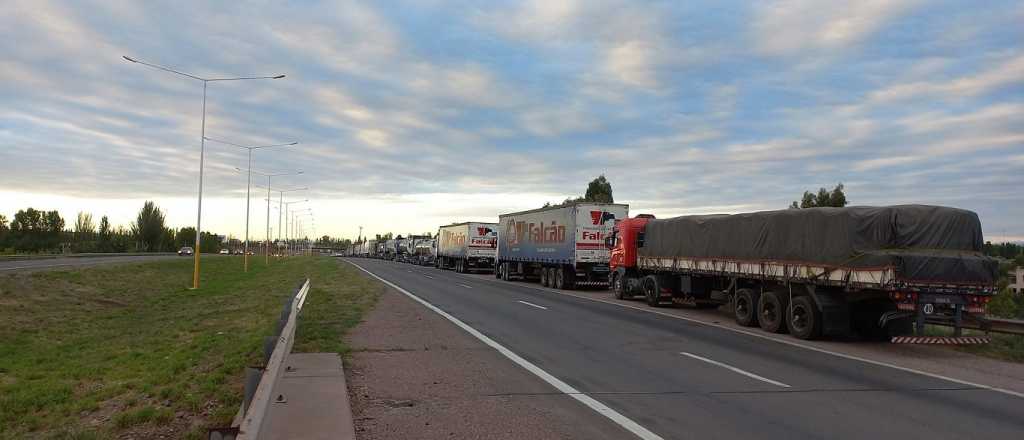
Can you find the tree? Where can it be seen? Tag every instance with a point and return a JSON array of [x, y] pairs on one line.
[[599, 190], [105, 235], [84, 228], [5, 232], [185, 237], [825, 198], [148, 228]]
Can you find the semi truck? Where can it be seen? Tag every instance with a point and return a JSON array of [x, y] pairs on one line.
[[467, 246], [877, 272], [561, 246], [424, 252]]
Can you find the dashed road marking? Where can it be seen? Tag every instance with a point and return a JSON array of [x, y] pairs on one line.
[[734, 369], [602, 409], [532, 304]]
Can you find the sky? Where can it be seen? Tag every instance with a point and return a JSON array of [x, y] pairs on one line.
[[413, 114]]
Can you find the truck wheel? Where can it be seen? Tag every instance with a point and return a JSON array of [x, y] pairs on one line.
[[771, 312], [619, 286], [497, 270], [744, 307], [504, 272], [544, 280], [568, 279], [804, 319], [652, 291]]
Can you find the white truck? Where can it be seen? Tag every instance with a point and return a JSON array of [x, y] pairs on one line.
[[467, 246], [561, 246]]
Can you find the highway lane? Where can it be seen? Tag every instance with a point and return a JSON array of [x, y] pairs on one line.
[[9, 266], [686, 380]]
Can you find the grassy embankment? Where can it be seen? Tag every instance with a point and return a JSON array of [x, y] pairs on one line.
[[105, 351]]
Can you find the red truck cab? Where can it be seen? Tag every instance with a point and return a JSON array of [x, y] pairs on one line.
[[624, 245]]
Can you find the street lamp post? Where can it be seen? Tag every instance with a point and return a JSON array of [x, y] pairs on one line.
[[291, 229], [269, 178], [202, 148], [248, 187], [287, 205], [301, 229]]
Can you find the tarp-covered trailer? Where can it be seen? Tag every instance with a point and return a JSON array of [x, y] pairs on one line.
[[873, 270]]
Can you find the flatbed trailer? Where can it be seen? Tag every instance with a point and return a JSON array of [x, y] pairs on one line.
[[877, 272]]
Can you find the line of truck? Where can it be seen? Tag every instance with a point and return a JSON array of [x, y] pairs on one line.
[[873, 271]]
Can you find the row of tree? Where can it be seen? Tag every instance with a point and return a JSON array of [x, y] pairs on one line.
[[32, 230]]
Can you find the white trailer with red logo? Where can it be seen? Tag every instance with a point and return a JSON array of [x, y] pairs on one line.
[[561, 246], [467, 246]]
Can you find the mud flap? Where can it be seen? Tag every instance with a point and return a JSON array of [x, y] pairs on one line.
[[835, 312]]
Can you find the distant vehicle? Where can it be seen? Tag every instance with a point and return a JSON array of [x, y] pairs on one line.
[[225, 252], [562, 246], [185, 251], [466, 246], [239, 252], [875, 271]]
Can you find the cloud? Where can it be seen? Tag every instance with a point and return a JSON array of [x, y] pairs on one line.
[[1006, 73], [428, 113], [793, 27]]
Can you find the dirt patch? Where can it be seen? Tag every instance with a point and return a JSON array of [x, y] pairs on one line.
[[413, 374]]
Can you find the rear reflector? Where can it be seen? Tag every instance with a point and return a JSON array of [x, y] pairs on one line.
[[940, 340]]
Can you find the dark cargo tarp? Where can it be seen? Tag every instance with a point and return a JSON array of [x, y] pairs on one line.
[[926, 244]]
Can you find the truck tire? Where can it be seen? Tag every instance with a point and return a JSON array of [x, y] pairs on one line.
[[804, 318], [744, 307], [771, 312], [568, 278], [619, 286], [544, 279], [497, 270], [652, 290], [559, 279]]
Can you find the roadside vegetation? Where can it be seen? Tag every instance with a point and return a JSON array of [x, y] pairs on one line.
[[126, 350]]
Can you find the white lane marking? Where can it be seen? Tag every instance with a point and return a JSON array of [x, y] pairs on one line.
[[532, 305], [563, 387], [428, 276], [787, 342], [734, 369], [463, 285]]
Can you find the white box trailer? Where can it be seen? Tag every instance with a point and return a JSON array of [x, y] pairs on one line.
[[561, 246], [467, 246]]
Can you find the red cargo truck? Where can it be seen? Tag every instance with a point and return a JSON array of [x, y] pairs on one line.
[[876, 271]]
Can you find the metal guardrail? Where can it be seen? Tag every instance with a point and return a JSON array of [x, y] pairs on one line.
[[22, 257], [260, 383], [990, 325]]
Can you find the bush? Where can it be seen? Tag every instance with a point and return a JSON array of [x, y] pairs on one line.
[[1004, 305]]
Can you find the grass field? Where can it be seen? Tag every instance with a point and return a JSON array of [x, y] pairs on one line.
[[1003, 347], [108, 351]]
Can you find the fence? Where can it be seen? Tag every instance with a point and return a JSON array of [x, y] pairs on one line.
[[259, 382]]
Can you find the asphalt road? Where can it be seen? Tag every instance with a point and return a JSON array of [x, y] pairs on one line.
[[682, 379], [65, 262]]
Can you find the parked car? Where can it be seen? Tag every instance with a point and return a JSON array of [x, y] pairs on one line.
[[185, 251], [225, 252]]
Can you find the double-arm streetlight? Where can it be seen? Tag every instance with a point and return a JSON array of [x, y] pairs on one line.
[[248, 187], [202, 147], [298, 224], [294, 218], [269, 178], [287, 205]]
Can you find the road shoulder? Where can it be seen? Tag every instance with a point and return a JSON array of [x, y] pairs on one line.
[[413, 374]]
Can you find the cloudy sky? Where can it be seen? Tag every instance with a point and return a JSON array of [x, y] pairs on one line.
[[414, 113]]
